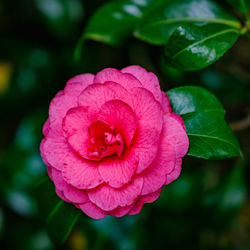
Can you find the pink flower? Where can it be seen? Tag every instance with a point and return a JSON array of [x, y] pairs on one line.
[[112, 141]]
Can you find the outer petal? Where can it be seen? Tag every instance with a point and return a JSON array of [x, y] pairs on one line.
[[144, 199], [121, 116], [75, 127], [128, 81], [82, 174], [67, 99], [121, 211], [175, 173], [108, 198], [76, 171], [97, 94], [77, 84], [176, 134], [166, 103], [92, 210], [72, 194], [117, 172], [148, 80], [46, 128], [149, 117]]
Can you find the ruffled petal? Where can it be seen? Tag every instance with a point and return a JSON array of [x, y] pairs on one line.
[[92, 210], [77, 84], [118, 171], [149, 117], [82, 174], [46, 128], [175, 173], [121, 211], [108, 198], [166, 103], [119, 115], [72, 194], [148, 80], [128, 81], [75, 127]]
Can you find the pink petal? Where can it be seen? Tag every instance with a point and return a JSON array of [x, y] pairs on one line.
[[46, 128], [82, 174], [95, 95], [76, 171], [42, 151], [175, 173], [54, 150], [92, 210], [108, 198], [75, 127], [128, 81], [77, 84], [58, 108], [67, 99], [166, 103], [176, 134], [119, 115], [61, 195], [121, 211], [136, 209], [72, 194], [118, 171], [149, 117], [148, 80], [149, 198], [144, 199]]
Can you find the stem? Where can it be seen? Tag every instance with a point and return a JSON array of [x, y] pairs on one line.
[[241, 124]]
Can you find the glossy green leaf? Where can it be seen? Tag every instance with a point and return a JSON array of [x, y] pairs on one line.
[[60, 217], [159, 22], [114, 21], [241, 5], [193, 48], [210, 137]]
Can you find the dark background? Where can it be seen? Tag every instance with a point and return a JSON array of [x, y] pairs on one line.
[[208, 207]]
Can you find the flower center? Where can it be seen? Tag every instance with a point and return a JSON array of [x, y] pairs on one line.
[[104, 141]]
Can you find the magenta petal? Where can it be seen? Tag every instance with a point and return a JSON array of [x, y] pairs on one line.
[[166, 103], [82, 174], [77, 171], [175, 173], [149, 117], [176, 134], [46, 128], [119, 115], [128, 81], [55, 151], [108, 198], [148, 80], [75, 127], [72, 194], [121, 211], [117, 172], [92, 210], [137, 207], [77, 84]]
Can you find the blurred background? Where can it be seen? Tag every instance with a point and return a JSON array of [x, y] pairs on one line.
[[208, 207]]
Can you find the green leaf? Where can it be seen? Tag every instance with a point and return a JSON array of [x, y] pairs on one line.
[[160, 21], [193, 48], [241, 5], [210, 137], [60, 216], [114, 21]]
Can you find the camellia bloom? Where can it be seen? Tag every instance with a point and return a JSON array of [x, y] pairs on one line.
[[112, 141]]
